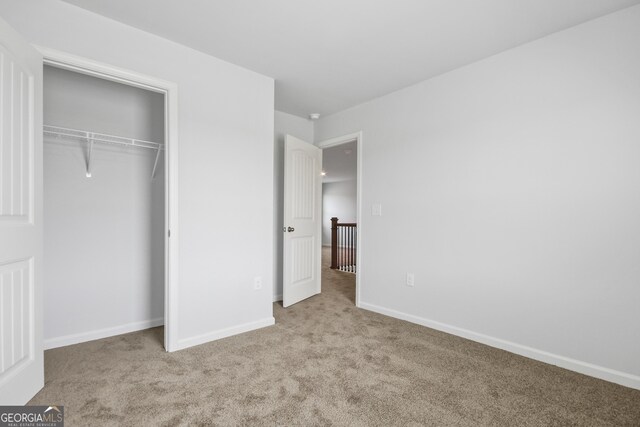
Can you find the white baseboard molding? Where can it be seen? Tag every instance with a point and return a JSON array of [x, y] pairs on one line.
[[224, 333], [611, 375], [101, 333], [277, 298]]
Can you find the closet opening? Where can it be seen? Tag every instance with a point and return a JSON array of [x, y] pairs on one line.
[[106, 207]]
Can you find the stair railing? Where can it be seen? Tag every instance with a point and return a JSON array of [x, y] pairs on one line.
[[343, 245]]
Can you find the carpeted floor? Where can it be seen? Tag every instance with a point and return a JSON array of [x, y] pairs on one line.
[[325, 362]]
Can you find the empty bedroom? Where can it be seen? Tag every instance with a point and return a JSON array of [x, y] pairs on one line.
[[301, 213]]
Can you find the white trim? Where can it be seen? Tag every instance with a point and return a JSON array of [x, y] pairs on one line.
[[170, 90], [339, 140], [101, 333], [90, 67], [618, 377], [332, 142], [277, 298], [224, 333]]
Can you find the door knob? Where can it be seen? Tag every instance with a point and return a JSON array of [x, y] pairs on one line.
[[290, 229]]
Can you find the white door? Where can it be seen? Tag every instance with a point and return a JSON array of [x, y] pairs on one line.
[[302, 220], [21, 354]]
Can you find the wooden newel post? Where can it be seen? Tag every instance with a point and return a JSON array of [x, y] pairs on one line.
[[334, 243]]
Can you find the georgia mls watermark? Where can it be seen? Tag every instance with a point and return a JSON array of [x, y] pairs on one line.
[[31, 416]]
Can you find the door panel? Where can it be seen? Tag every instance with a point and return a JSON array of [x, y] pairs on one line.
[[302, 220], [21, 354], [16, 288], [16, 142], [302, 259]]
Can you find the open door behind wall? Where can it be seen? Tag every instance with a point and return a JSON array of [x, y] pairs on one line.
[[21, 354], [302, 220]]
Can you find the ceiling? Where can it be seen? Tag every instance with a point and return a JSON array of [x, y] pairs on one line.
[[330, 55], [340, 162]]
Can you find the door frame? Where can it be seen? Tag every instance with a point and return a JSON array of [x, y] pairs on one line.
[[100, 70], [339, 140]]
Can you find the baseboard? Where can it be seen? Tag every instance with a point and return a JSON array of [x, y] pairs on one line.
[[277, 298], [224, 333], [611, 375], [101, 333]]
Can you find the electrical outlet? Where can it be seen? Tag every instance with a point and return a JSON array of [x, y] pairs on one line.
[[257, 283], [376, 209], [410, 279]]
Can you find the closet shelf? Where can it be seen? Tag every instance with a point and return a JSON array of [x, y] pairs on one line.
[[92, 137], [83, 135]]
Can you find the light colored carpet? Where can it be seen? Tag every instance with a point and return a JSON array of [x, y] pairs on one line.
[[325, 362]]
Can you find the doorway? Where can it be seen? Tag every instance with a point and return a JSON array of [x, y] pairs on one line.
[[342, 183], [116, 156], [302, 224]]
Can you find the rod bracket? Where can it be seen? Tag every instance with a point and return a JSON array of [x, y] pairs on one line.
[[90, 143]]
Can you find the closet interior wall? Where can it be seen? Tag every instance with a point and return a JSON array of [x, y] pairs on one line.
[[103, 235]]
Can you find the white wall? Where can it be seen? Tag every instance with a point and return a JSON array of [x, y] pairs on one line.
[[225, 160], [510, 187], [300, 128], [339, 199], [103, 236], [80, 101]]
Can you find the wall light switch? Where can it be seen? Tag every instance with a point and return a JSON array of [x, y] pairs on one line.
[[376, 209], [257, 283]]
